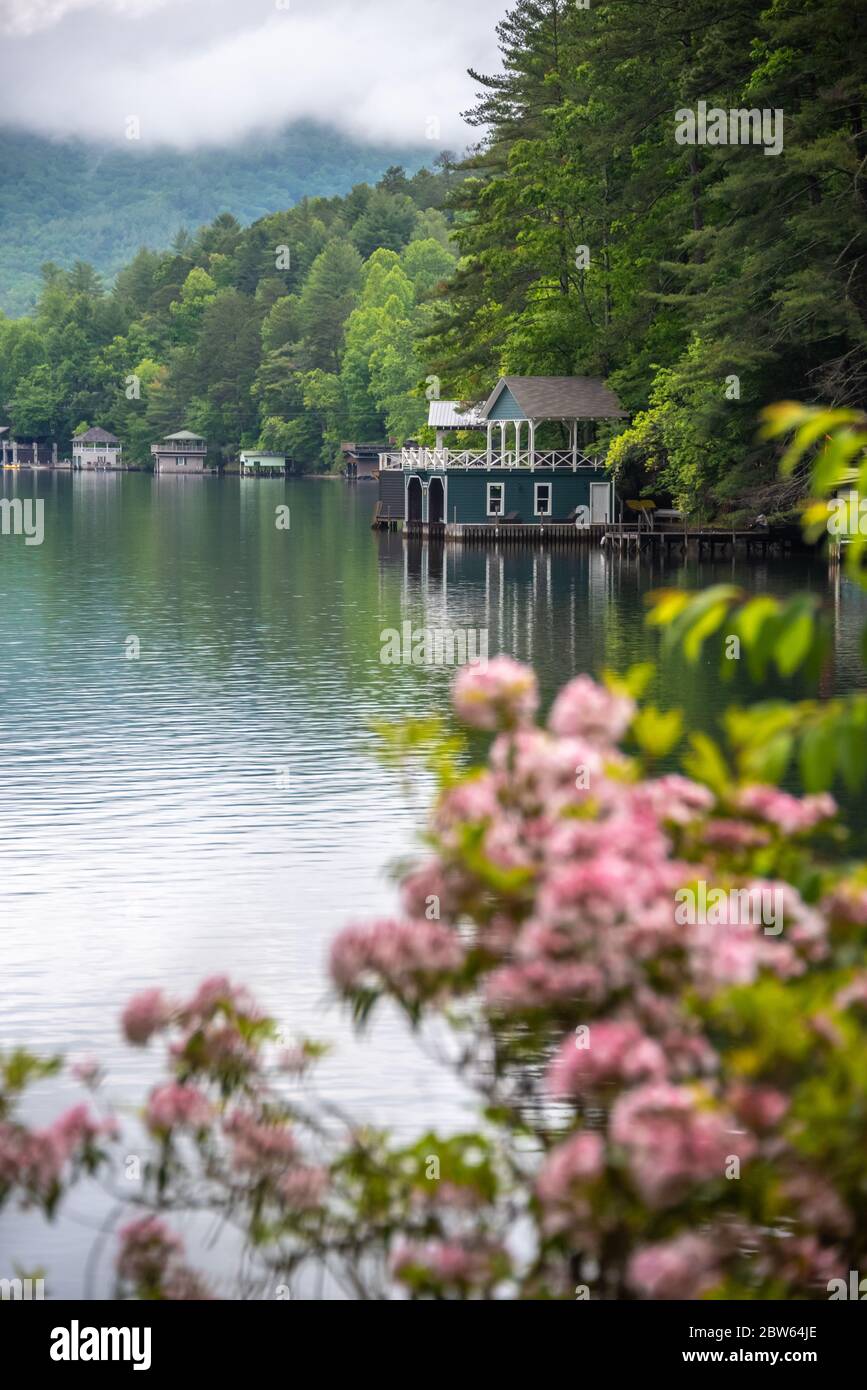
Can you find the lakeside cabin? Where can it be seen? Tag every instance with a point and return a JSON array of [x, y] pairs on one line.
[[510, 481], [256, 464], [183, 452], [96, 448]]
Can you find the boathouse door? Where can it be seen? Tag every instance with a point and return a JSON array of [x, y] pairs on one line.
[[413, 499], [436, 502], [600, 503]]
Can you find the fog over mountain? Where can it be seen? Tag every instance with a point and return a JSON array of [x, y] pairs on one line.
[[208, 72]]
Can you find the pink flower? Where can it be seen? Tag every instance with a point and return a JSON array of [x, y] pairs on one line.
[[218, 993], [501, 695], [616, 1052], [260, 1147], [450, 1264], [578, 1161], [847, 904], [426, 887], [177, 1106], [671, 1142], [145, 1014], [683, 1268], [734, 834], [539, 984], [147, 1248], [409, 957], [675, 799], [302, 1189], [589, 711], [77, 1129], [791, 815], [760, 1107]]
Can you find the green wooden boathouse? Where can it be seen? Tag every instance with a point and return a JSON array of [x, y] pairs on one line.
[[510, 481]]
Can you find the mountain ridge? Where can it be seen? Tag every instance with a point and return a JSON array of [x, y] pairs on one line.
[[69, 200]]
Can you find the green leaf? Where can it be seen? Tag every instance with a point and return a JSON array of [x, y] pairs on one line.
[[705, 763], [657, 732], [795, 639]]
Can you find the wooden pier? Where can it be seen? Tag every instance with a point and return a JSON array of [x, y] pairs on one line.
[[506, 532], [704, 540]]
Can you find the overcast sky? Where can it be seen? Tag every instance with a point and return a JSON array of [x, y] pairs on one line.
[[196, 71]]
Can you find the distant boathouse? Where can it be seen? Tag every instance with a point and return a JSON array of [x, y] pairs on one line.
[[183, 452], [97, 448]]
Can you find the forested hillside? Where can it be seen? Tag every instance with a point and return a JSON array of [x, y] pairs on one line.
[[704, 280], [64, 201], [295, 333], [719, 278]]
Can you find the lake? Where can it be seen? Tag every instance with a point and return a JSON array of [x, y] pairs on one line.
[[214, 803]]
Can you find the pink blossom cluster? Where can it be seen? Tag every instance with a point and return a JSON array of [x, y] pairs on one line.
[[674, 1138], [262, 1147], [450, 1264], [412, 958], [177, 1106], [501, 694], [35, 1161], [790, 814], [150, 1261], [583, 922]]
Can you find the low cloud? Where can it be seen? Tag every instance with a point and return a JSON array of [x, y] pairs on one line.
[[196, 72]]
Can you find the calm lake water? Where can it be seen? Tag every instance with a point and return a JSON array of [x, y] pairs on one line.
[[215, 805]]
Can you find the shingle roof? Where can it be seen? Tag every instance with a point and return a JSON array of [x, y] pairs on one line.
[[184, 434], [96, 436], [447, 415], [560, 397]]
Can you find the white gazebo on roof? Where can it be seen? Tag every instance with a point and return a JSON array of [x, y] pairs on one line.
[[516, 407]]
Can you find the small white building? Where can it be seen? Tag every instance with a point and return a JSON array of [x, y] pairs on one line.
[[257, 461], [448, 415], [97, 448]]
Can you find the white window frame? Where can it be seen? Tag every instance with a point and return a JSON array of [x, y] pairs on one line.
[[502, 490], [536, 509]]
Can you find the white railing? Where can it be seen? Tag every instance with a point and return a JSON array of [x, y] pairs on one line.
[[440, 460], [182, 447]]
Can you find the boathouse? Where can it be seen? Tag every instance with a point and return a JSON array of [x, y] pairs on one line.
[[511, 481], [183, 452], [258, 463], [96, 448]]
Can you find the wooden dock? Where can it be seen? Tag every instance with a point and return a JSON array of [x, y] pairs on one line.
[[506, 533], [704, 540], [623, 537]]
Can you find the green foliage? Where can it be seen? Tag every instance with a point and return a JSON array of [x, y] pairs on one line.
[[65, 200], [714, 278], [279, 335]]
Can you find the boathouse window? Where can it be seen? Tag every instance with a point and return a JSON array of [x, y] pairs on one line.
[[542, 505], [495, 498]]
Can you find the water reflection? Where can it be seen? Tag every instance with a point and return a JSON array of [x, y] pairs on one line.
[[216, 805]]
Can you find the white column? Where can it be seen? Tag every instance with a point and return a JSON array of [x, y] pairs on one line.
[[490, 442], [532, 444], [502, 440], [14, 450], [574, 445]]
